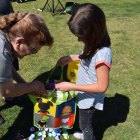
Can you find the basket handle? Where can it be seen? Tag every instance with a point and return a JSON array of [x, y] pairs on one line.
[[51, 86], [61, 76]]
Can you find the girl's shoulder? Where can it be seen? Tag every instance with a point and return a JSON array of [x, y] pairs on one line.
[[104, 50], [103, 55]]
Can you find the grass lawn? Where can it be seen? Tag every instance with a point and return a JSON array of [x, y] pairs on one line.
[[120, 119]]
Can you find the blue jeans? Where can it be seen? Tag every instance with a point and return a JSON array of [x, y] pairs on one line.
[[86, 123]]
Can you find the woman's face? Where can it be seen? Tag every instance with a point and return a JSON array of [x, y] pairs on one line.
[[21, 48]]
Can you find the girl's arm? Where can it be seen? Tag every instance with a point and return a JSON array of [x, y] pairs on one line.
[[74, 57], [101, 85], [66, 59]]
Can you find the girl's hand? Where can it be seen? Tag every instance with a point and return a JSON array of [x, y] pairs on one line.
[[64, 60], [64, 86]]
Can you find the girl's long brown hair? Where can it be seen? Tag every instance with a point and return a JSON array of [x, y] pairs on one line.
[[88, 22]]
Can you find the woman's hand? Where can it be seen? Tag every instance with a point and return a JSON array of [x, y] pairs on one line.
[[66, 59], [39, 88], [65, 86]]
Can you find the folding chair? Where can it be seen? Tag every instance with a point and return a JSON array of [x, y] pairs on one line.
[[52, 7]]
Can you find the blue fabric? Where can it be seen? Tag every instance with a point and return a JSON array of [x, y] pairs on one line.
[[5, 59]]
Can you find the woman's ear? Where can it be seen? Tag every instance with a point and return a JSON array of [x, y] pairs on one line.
[[19, 40]]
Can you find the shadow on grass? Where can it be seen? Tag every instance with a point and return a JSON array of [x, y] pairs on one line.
[[24, 120], [115, 111], [52, 76]]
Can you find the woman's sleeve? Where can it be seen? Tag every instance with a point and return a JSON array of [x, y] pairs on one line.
[[5, 70], [5, 63]]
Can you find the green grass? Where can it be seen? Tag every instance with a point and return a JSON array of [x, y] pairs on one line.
[[121, 118]]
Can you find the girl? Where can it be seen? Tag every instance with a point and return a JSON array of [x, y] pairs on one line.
[[21, 34], [88, 24]]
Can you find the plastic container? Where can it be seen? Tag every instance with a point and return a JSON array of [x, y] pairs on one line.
[[72, 71]]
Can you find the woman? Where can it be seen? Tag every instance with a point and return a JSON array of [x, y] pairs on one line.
[[21, 34]]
